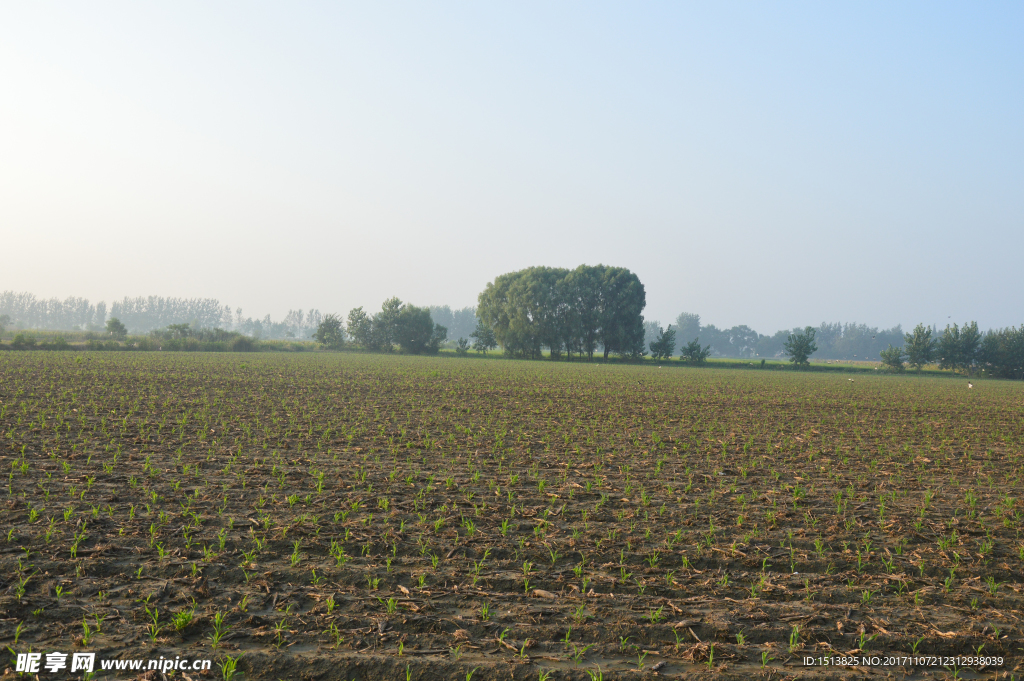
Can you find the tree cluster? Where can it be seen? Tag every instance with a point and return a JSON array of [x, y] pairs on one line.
[[571, 311], [962, 349], [397, 324]]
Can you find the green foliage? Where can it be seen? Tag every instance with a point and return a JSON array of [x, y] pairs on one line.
[[688, 325], [4, 321], [416, 333], [694, 353], [55, 343], [23, 342], [958, 347], [665, 346], [565, 311], [462, 347], [919, 346], [892, 359], [397, 323], [116, 329], [360, 327], [800, 346], [483, 338], [1002, 352], [186, 338], [330, 333]]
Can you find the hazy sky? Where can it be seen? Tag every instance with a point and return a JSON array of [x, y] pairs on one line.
[[769, 164]]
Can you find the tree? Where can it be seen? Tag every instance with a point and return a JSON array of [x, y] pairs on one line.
[[330, 333], [920, 346], [665, 346], [694, 353], [116, 329], [958, 347], [4, 321], [970, 344], [462, 347], [800, 346], [623, 299], [483, 338], [360, 327], [1007, 357], [688, 325], [527, 310], [386, 325], [892, 359], [437, 338], [571, 311], [412, 329]]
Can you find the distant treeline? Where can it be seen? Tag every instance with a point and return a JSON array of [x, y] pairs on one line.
[[835, 341], [460, 323], [527, 313], [144, 314]]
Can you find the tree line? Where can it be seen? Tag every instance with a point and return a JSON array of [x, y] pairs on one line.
[[850, 341], [143, 314], [563, 312], [997, 352]]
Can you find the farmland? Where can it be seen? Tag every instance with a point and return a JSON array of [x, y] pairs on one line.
[[382, 517]]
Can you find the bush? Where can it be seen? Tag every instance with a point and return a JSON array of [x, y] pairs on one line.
[[243, 344], [57, 343], [892, 359], [694, 353], [116, 329], [330, 333], [23, 342]]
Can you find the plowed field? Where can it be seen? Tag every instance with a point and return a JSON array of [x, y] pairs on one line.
[[338, 516]]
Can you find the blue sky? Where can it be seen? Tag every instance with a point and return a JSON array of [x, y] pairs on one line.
[[763, 164]]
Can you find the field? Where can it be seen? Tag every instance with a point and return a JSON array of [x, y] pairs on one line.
[[334, 516]]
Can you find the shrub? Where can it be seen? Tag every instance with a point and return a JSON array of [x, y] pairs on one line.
[[57, 343], [23, 342], [694, 353], [330, 333], [892, 359], [116, 329], [243, 344]]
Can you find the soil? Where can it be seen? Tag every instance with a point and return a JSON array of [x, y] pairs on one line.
[[371, 517]]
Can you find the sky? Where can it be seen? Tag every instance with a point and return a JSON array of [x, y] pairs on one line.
[[767, 164]]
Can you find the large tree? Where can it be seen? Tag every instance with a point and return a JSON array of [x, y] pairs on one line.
[[622, 321], [565, 311]]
